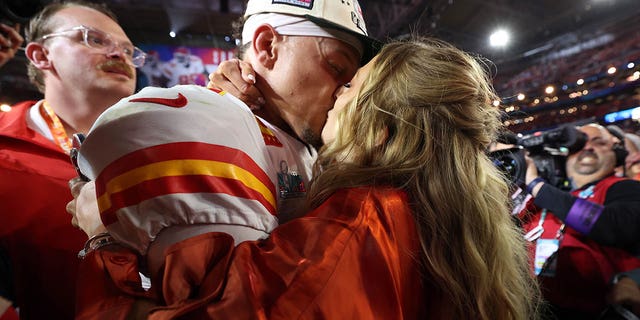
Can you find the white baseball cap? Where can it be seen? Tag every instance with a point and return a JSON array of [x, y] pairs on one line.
[[341, 15]]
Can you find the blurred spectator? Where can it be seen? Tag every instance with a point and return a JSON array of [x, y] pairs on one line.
[[83, 62], [184, 68], [632, 163], [152, 70], [10, 41]]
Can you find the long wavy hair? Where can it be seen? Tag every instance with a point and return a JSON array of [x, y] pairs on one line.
[[434, 103]]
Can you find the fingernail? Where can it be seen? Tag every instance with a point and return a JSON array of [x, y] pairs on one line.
[[252, 78]]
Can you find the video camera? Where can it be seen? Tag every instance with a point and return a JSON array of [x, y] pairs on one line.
[[548, 149]]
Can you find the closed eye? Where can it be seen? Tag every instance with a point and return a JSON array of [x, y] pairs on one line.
[[338, 71]]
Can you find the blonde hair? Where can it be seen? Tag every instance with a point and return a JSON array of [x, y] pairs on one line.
[[434, 103]]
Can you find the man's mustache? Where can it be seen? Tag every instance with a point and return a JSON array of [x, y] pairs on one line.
[[116, 66]]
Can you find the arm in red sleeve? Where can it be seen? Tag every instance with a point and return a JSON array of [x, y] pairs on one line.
[[108, 284]]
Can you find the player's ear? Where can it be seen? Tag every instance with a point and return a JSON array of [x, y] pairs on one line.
[[265, 45]]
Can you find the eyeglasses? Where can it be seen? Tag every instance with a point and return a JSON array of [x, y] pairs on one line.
[[97, 39]]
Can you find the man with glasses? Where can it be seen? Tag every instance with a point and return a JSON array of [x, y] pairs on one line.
[[94, 38], [83, 62]]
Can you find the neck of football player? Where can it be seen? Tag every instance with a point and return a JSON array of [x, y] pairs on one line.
[[275, 108], [273, 116]]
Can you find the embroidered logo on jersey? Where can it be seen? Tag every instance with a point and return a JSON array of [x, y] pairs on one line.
[[178, 102], [269, 137], [290, 184], [218, 91], [307, 4]]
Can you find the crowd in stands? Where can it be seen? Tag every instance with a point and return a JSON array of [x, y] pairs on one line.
[[599, 94]]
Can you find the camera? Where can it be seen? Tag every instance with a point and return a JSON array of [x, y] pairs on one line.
[[548, 150]]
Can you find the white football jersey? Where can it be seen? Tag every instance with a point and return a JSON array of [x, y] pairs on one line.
[[189, 155]]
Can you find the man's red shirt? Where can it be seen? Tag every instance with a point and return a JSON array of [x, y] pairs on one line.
[[35, 228]]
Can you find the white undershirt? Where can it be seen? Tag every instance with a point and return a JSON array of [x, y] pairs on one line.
[[36, 122]]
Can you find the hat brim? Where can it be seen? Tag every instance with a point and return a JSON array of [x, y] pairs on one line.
[[370, 46]]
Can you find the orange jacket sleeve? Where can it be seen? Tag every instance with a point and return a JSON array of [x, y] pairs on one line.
[[356, 256]]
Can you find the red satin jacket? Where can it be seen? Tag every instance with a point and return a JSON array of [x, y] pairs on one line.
[[354, 257], [35, 228]]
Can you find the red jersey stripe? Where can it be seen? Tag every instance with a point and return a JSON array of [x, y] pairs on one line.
[[181, 151], [187, 167], [179, 184]]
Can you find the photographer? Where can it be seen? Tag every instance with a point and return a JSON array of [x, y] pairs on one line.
[[580, 239]]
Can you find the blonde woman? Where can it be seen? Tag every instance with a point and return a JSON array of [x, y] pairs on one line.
[[408, 217], [418, 118]]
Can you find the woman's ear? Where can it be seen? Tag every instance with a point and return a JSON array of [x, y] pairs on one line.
[[38, 55], [265, 46]]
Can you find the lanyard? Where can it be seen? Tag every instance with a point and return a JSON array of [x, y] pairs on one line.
[[55, 126], [536, 232]]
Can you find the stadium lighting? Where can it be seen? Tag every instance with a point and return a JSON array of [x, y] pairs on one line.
[[499, 38], [549, 89]]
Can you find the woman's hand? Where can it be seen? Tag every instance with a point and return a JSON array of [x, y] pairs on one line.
[[84, 207], [237, 78]]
